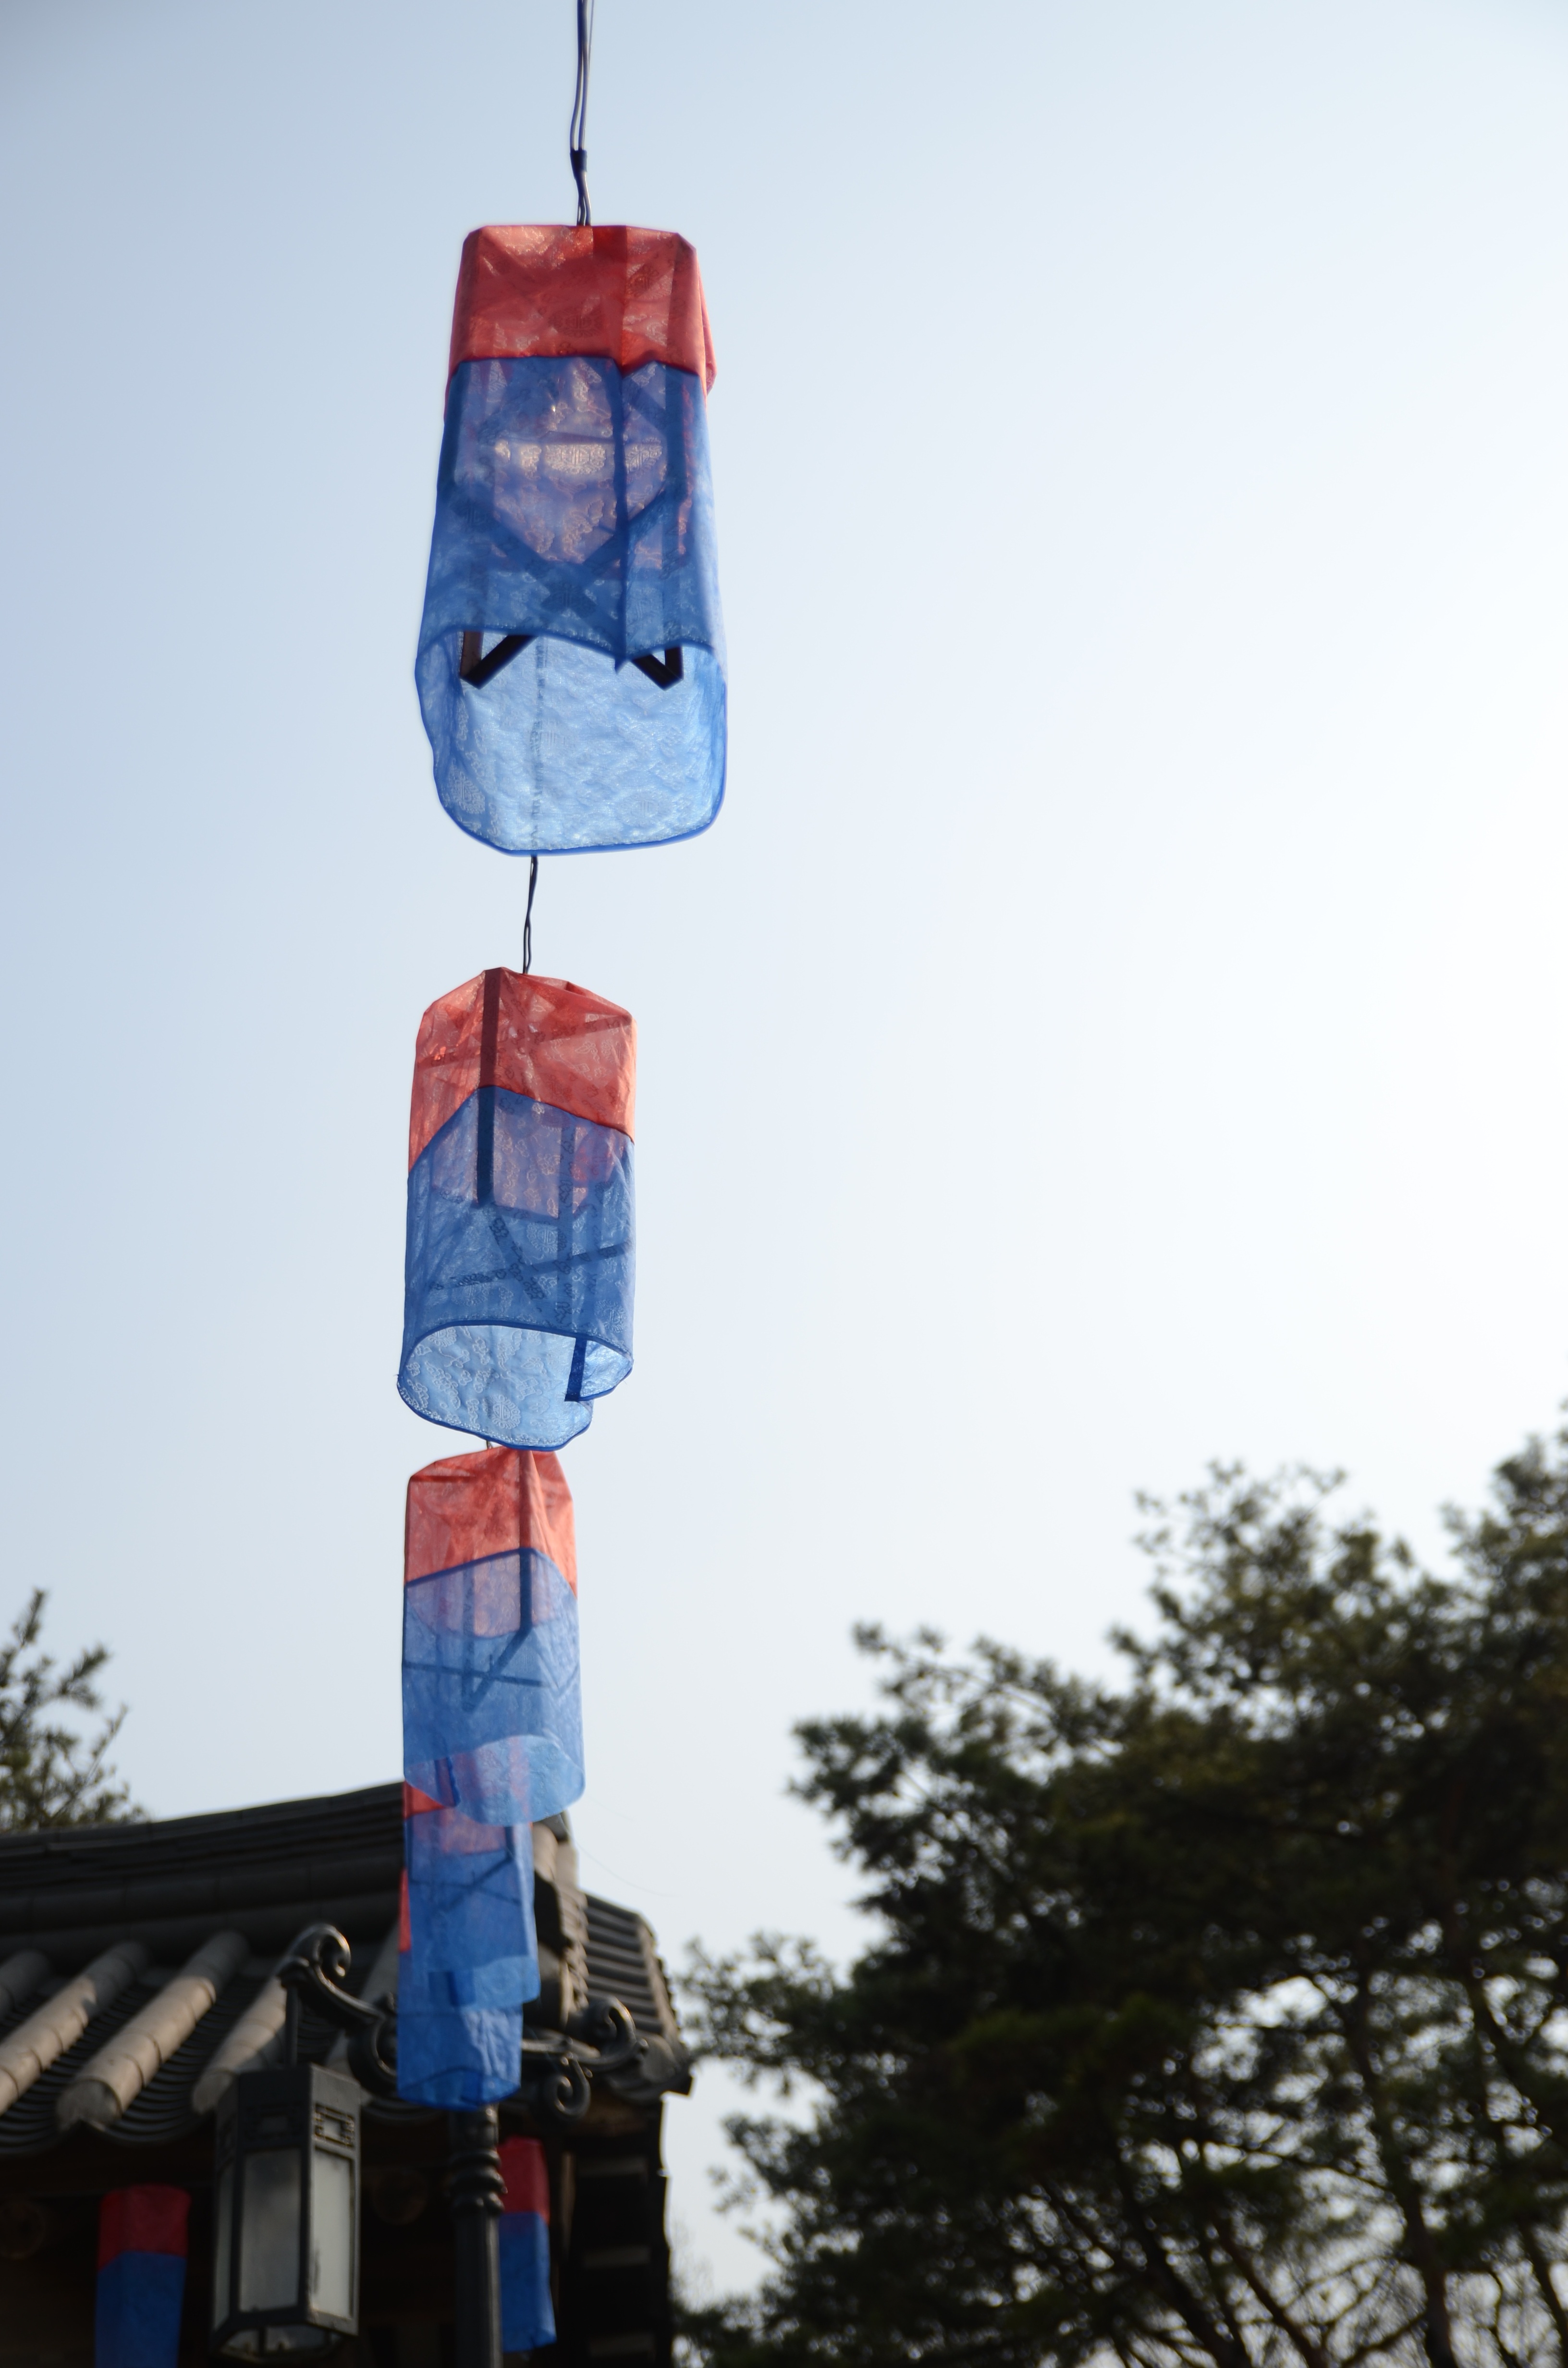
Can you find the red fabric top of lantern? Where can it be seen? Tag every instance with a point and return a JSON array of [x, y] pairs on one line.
[[504, 1500], [541, 289], [542, 1037], [527, 2180], [143, 2220]]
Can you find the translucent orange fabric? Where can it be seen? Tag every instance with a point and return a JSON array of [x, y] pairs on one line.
[[538, 289], [527, 2174], [500, 1502], [542, 1037]]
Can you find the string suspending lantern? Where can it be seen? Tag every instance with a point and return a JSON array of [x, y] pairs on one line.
[[520, 1247], [571, 664], [493, 1740]]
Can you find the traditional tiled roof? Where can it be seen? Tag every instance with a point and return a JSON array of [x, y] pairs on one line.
[[171, 1931]]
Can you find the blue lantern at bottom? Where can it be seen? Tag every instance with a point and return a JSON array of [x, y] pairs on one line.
[[468, 1960]]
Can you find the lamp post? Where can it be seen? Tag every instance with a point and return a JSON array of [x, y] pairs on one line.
[[474, 2188]]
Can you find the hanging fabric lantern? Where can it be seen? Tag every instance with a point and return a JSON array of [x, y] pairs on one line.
[[493, 1739], [492, 1699], [141, 2289], [528, 2320], [571, 664], [518, 1278], [468, 1959]]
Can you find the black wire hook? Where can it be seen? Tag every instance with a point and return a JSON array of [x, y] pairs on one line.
[[529, 917], [578, 137]]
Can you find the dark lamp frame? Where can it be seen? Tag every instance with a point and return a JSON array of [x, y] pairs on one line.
[[312, 2114]]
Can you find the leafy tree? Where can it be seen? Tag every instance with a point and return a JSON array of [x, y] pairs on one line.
[[50, 1774], [1216, 2017]]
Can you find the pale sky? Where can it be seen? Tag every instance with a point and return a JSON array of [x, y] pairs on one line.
[[1118, 1019]]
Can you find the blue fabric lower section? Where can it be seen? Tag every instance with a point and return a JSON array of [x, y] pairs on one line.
[[575, 499], [457, 2058], [528, 2322], [574, 505], [492, 1691], [473, 1960], [518, 1278], [563, 752], [136, 2322], [470, 1906]]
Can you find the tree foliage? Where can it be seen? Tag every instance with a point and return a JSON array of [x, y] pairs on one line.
[[50, 1774], [1219, 2016]]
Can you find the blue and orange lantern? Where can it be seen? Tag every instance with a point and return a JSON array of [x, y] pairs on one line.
[[492, 1702], [493, 1740], [468, 1959], [520, 1247], [571, 664]]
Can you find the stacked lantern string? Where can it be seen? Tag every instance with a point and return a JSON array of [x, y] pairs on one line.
[[571, 676]]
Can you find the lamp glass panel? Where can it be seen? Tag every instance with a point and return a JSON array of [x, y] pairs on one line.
[[222, 2257], [270, 2235], [332, 2236]]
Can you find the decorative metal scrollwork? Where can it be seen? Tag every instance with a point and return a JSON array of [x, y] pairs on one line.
[[554, 2084], [609, 2028], [558, 2066], [313, 1970]]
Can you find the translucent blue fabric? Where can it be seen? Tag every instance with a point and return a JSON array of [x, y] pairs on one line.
[[471, 1904], [528, 2321], [472, 1962], [492, 1692], [518, 1274], [137, 2311], [454, 2056], [575, 505]]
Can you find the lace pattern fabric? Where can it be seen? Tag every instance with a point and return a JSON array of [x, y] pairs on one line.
[[469, 1958], [493, 1738], [573, 538], [521, 1251], [492, 1692], [632, 295]]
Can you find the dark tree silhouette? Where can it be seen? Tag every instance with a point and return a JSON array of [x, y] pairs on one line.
[[1219, 2017], [51, 1773]]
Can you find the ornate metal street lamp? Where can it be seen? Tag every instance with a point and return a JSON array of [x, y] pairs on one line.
[[286, 2276], [554, 2083]]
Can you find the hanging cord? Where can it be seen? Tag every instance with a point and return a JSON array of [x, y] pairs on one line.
[[578, 138], [529, 917]]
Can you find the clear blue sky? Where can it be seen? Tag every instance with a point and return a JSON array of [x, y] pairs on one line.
[[1118, 1018]]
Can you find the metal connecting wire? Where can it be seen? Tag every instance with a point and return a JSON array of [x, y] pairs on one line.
[[578, 138], [529, 917]]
